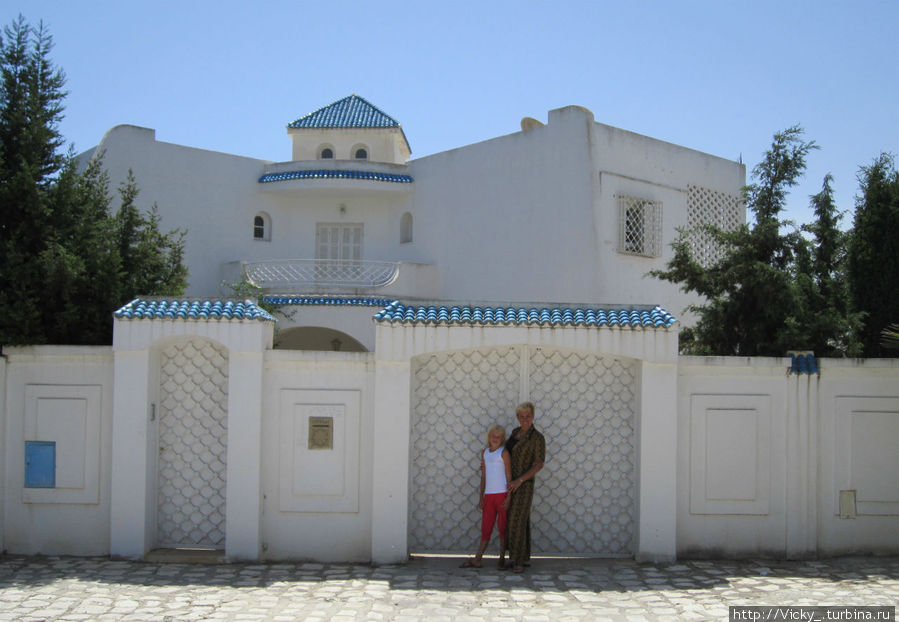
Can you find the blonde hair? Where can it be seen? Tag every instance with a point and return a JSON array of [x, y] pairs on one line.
[[495, 428], [525, 406]]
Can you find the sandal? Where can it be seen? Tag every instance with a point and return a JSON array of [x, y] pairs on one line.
[[518, 569], [470, 563]]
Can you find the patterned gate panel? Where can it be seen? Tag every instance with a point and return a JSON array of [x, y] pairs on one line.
[[585, 496], [192, 445], [456, 396]]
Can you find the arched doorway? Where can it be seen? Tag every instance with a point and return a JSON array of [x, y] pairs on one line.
[[316, 338], [192, 445]]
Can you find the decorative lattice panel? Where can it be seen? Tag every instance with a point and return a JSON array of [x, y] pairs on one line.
[[710, 207], [585, 496], [193, 410], [456, 396], [585, 500]]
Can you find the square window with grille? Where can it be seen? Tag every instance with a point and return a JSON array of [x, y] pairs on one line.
[[639, 226]]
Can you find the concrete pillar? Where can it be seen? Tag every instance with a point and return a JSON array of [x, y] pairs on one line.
[[657, 467], [128, 513], [801, 459], [390, 472], [243, 490]]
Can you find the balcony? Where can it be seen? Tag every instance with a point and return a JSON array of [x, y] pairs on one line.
[[336, 276], [352, 176]]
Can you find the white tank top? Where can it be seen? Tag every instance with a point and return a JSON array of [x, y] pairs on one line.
[[495, 471]]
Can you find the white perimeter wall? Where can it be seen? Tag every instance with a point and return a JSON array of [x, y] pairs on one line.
[[764, 455], [317, 502], [61, 394], [768, 463]]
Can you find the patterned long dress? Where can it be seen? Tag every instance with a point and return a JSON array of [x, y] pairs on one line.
[[524, 453]]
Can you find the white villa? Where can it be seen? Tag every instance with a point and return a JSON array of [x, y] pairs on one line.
[[420, 301]]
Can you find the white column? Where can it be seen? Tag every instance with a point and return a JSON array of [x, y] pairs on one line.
[[129, 511], [801, 459], [243, 490], [390, 472], [657, 526]]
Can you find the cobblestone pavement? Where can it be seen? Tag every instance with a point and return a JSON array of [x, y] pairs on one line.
[[69, 588]]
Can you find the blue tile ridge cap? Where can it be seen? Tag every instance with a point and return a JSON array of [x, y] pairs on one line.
[[312, 300], [351, 111], [199, 309], [336, 174], [803, 363], [629, 317]]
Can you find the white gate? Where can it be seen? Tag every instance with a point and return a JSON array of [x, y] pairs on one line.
[[193, 409], [585, 497]]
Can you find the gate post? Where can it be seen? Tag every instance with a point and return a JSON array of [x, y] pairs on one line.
[[243, 488], [130, 468], [390, 468], [657, 467]]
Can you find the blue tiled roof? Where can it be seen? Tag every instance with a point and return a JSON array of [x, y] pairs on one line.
[[352, 111], [803, 364], [139, 309], [336, 174], [343, 301], [546, 316]]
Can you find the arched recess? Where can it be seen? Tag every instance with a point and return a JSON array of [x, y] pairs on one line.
[[406, 228], [191, 442], [585, 498], [317, 338], [326, 152]]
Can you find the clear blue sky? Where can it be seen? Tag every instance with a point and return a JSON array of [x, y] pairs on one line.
[[719, 76]]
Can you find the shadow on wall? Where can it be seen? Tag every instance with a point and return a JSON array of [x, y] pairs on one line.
[[316, 338]]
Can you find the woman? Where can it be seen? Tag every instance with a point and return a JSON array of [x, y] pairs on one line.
[[527, 449]]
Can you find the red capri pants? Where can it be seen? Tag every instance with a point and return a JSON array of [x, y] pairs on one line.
[[493, 512]]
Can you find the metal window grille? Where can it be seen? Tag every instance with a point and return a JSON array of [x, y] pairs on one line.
[[639, 226]]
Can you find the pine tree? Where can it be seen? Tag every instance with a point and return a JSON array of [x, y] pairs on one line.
[[874, 253], [150, 261], [829, 326], [752, 304], [67, 263], [30, 111]]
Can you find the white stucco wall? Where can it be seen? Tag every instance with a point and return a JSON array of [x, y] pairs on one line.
[[763, 456], [510, 218], [747, 460], [317, 503], [731, 456], [858, 432], [61, 394]]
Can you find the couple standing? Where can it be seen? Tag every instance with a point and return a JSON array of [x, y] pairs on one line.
[[507, 488]]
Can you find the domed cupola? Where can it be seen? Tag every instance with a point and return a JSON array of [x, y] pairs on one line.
[[349, 129]]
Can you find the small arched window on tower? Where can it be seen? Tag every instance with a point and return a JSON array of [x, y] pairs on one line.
[[262, 227], [360, 152], [326, 152], [406, 228]]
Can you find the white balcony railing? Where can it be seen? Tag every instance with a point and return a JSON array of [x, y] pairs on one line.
[[297, 274]]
